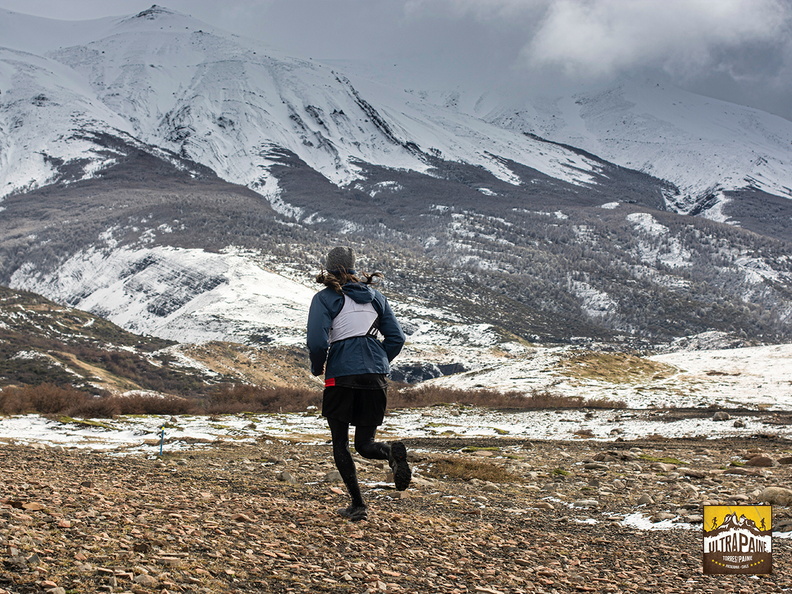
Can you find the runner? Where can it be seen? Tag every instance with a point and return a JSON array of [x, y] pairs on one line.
[[344, 322]]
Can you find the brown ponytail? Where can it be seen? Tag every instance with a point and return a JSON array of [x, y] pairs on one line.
[[338, 278]]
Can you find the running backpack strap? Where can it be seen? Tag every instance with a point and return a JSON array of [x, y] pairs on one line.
[[374, 328]]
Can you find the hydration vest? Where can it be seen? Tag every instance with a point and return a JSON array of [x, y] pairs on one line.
[[355, 319]]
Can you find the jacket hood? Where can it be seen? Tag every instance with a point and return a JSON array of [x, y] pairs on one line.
[[358, 292]]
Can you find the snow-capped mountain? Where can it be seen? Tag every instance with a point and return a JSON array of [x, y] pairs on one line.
[[184, 182], [704, 146], [233, 105]]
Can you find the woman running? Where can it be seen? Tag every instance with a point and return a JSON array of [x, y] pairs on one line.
[[344, 322]]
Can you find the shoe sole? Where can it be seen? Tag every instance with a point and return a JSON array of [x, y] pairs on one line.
[[355, 516], [401, 473]]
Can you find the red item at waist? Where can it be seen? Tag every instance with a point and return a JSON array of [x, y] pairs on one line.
[[330, 381]]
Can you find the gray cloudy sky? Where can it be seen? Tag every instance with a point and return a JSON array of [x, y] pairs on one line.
[[739, 50]]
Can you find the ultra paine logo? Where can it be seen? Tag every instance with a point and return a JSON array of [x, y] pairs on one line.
[[738, 539]]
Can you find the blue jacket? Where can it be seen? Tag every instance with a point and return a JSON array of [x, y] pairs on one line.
[[353, 356]]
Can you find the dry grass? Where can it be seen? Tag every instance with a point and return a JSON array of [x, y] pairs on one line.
[[465, 469], [402, 396], [48, 399], [615, 368], [246, 398]]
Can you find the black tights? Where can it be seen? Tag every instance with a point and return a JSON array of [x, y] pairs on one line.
[[365, 446]]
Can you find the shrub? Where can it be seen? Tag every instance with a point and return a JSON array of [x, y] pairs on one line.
[[100, 407], [235, 398], [402, 396], [47, 399], [152, 404], [44, 398]]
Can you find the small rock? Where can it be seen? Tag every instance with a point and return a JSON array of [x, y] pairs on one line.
[[663, 467], [286, 477], [721, 416], [146, 580], [739, 424], [661, 516], [777, 496], [645, 499], [332, 477], [692, 472], [740, 471], [586, 503], [785, 460], [761, 462], [595, 466]]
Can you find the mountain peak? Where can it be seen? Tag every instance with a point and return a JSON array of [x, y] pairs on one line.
[[154, 12]]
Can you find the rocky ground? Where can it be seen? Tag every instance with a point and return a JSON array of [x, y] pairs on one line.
[[504, 516]]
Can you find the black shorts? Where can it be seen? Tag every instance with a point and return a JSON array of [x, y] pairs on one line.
[[356, 406]]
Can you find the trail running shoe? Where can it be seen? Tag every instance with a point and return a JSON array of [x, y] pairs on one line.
[[398, 463], [355, 513]]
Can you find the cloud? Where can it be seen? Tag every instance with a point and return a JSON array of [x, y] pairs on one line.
[[683, 37], [738, 50]]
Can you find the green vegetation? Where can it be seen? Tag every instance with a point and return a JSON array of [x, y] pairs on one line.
[[84, 422]]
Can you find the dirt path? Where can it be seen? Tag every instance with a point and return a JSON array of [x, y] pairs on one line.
[[513, 517]]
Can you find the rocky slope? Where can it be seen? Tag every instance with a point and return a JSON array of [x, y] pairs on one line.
[[44, 342]]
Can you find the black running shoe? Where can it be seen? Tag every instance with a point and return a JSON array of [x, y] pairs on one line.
[[398, 463], [355, 513]]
